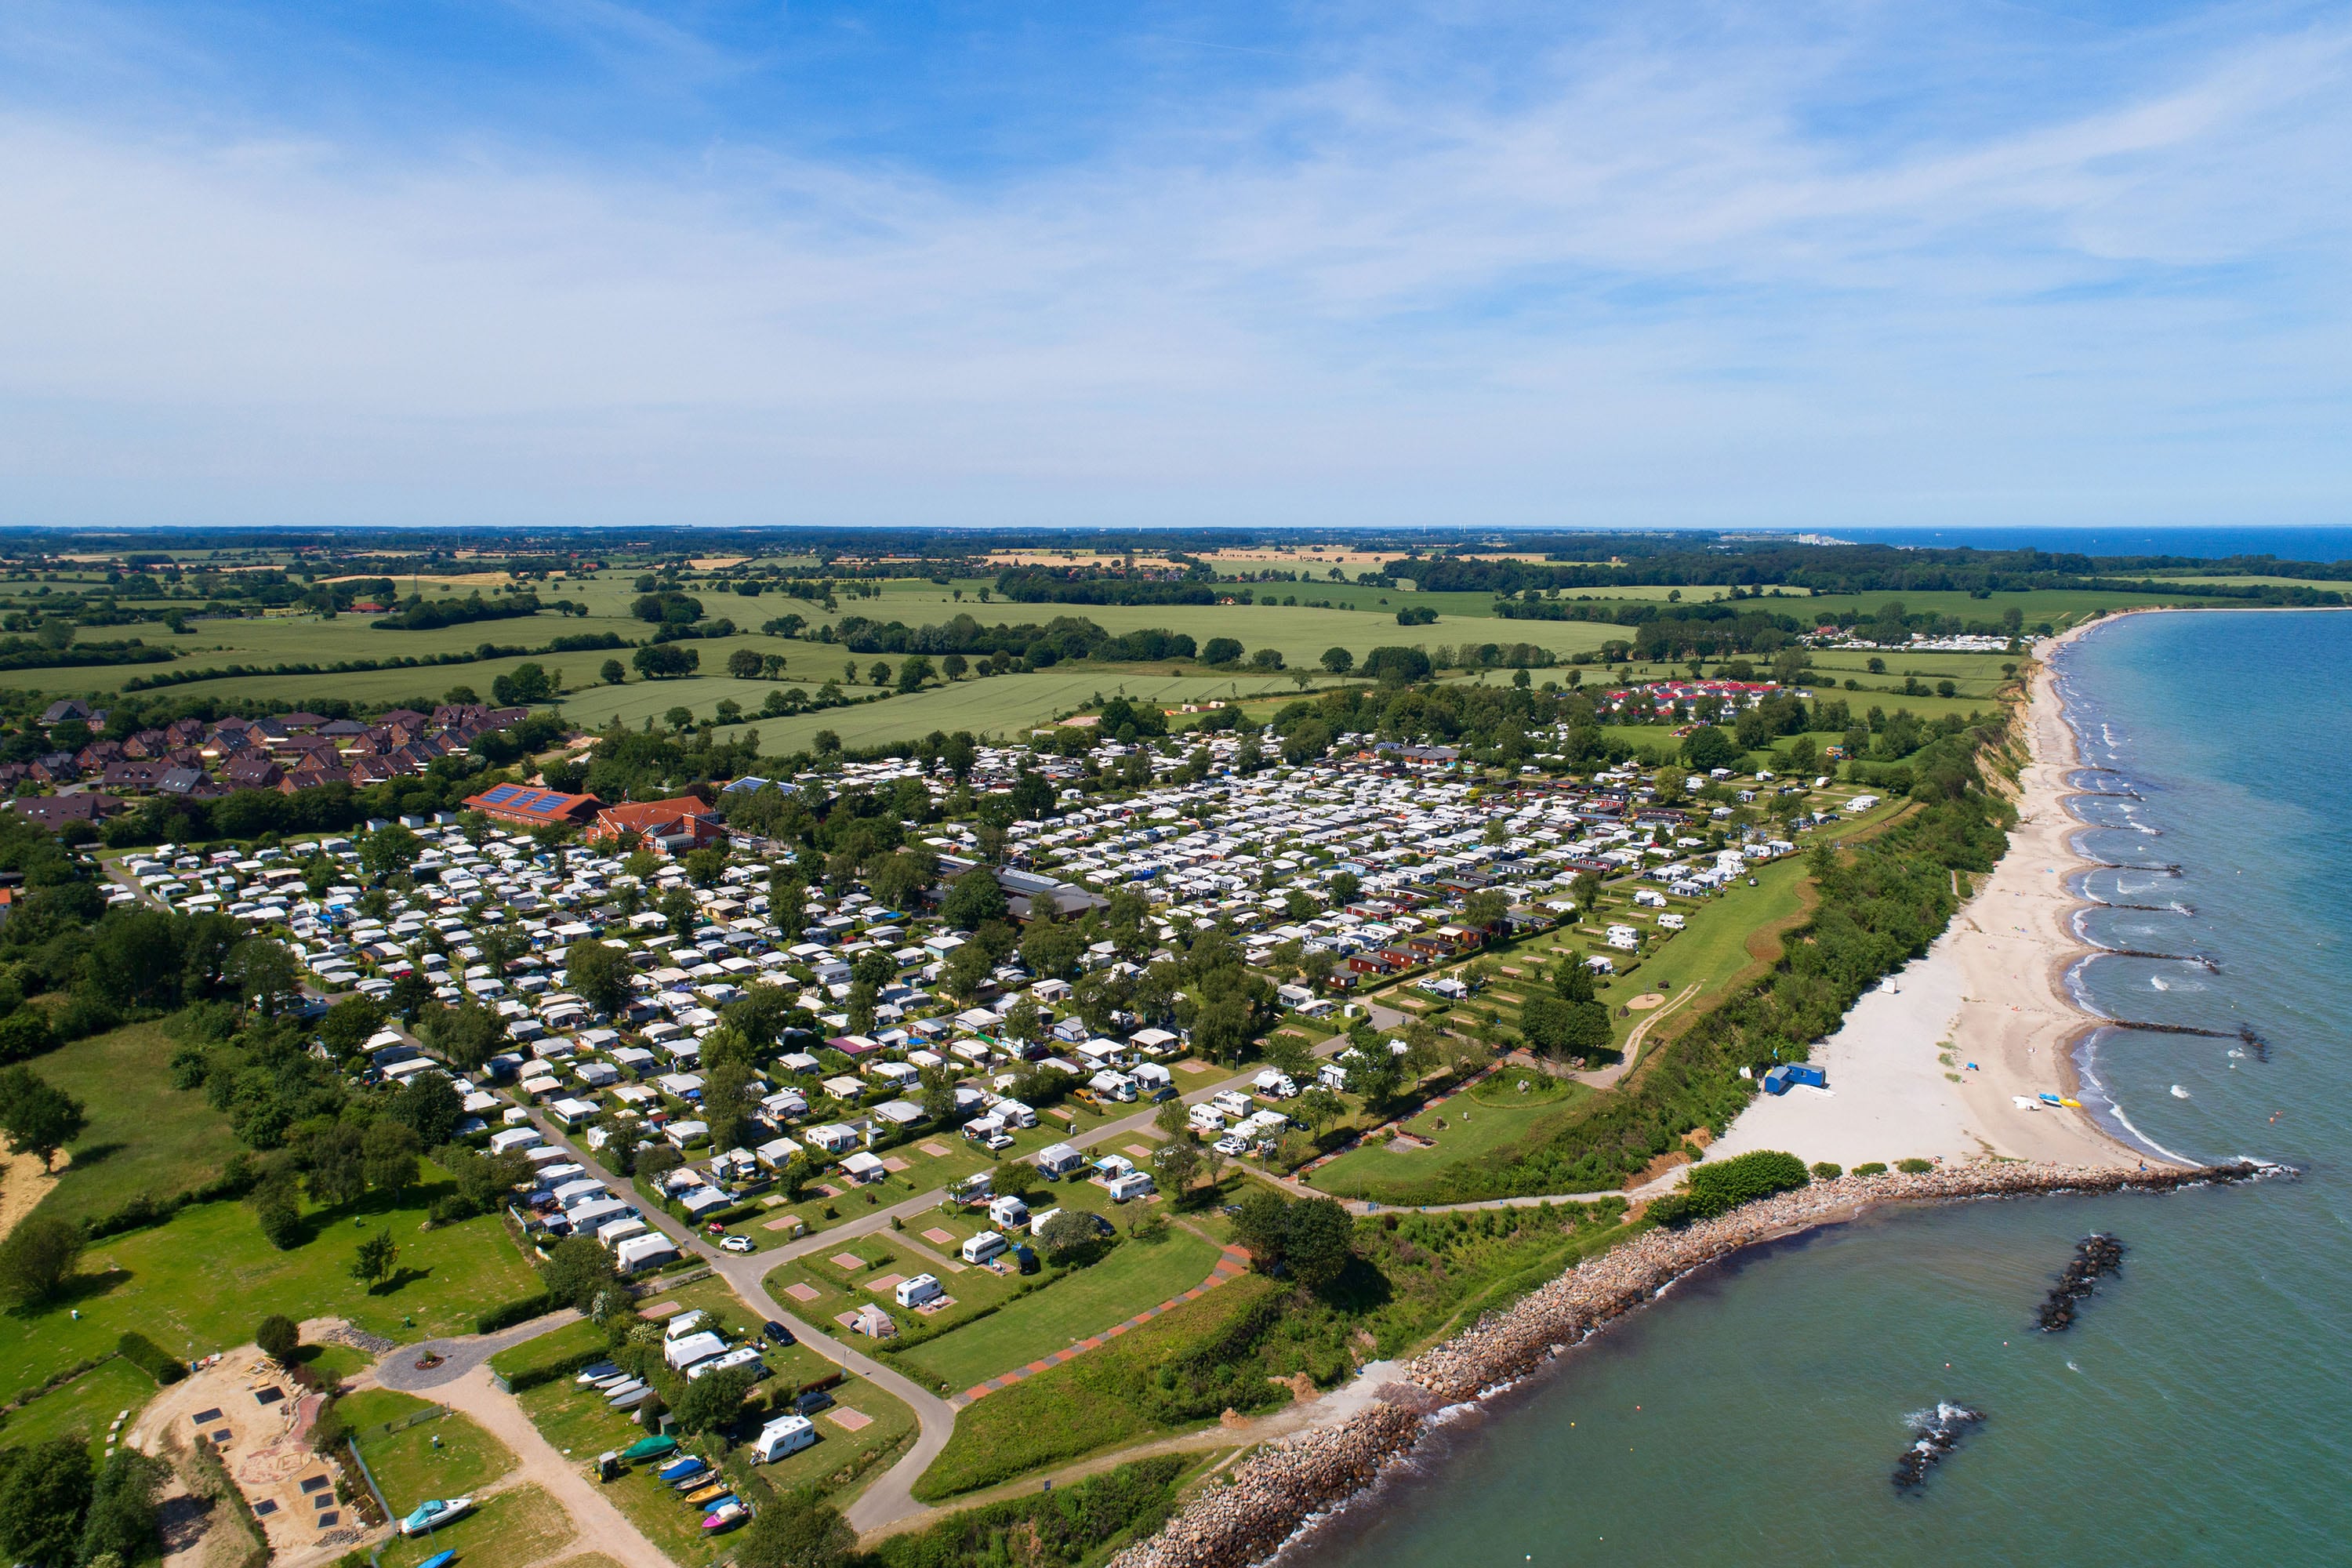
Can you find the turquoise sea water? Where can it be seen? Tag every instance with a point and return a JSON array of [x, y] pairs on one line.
[[2201, 1409]]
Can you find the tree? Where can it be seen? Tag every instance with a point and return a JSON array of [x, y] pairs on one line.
[[277, 1210], [264, 974], [967, 971], [1051, 947], [899, 880], [1171, 1121], [278, 1339], [973, 898], [745, 664], [350, 1023], [38, 1256], [1220, 651], [1707, 748], [45, 1492], [389, 1149], [1319, 1107], [714, 1401], [678, 907], [372, 1265], [121, 1522], [389, 850], [1320, 1241], [611, 672], [792, 1532], [598, 974], [37, 1117], [577, 1269], [1485, 911], [1262, 1226], [1338, 660], [1176, 1163], [1070, 1235], [429, 1107], [666, 660], [913, 672]]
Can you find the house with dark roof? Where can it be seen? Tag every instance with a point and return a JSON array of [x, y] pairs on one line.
[[53, 811]]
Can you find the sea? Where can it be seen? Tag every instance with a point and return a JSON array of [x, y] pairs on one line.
[[2200, 1410]]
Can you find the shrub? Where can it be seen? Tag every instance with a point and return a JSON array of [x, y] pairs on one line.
[[278, 1338], [1915, 1167], [149, 1357], [1873, 1168], [1827, 1171]]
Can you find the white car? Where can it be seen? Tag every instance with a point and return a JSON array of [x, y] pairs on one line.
[[1232, 1144], [735, 1243]]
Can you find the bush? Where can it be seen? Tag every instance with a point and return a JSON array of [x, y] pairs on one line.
[[150, 1358], [1827, 1171], [1915, 1167], [1872, 1169], [521, 1311], [278, 1339], [1069, 1524], [1720, 1188]]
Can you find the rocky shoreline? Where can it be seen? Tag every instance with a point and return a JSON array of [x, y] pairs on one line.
[[1270, 1496]]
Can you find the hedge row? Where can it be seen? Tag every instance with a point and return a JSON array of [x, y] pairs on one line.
[[521, 1311], [149, 1357]]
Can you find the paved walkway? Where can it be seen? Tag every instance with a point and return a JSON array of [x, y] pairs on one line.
[[1233, 1263], [398, 1369]]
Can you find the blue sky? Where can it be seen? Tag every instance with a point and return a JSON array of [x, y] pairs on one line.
[[1791, 265]]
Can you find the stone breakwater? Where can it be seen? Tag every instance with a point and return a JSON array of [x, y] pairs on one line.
[[1269, 1497]]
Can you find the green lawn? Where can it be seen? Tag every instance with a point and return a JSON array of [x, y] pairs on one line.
[[202, 1282], [508, 1531], [87, 1404], [1137, 1275], [1472, 1128], [144, 1136], [448, 1457]]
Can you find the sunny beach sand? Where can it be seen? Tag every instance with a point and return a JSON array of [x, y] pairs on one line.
[[1993, 986]]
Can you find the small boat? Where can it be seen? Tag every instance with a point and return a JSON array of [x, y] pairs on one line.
[[698, 1492], [438, 1560], [434, 1514], [2048, 1098], [599, 1372], [649, 1449], [622, 1390], [2178, 1092], [630, 1400], [724, 1519], [679, 1468]]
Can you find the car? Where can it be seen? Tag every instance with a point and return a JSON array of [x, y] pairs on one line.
[[777, 1332], [814, 1400], [1232, 1145], [714, 1229]]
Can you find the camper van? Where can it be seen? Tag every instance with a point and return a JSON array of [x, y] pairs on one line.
[[784, 1435]]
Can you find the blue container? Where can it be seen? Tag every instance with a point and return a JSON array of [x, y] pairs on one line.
[[1776, 1081], [1809, 1075]]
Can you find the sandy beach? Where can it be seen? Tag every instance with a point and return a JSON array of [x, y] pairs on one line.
[[1991, 992]]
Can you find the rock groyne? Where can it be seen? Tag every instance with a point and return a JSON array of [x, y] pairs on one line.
[[1270, 1496]]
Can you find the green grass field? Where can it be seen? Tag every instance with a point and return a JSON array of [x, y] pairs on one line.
[[1365, 1171], [87, 1404], [449, 1457], [144, 1136], [201, 1282], [508, 1531], [1137, 1275]]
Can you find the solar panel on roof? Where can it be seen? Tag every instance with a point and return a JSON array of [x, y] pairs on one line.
[[548, 803], [503, 793]]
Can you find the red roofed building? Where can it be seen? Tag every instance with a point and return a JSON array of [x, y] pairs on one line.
[[672, 827], [527, 807]]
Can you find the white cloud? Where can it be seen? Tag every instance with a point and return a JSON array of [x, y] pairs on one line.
[[1645, 285]]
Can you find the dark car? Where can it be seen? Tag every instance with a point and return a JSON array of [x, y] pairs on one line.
[[814, 1400], [777, 1332]]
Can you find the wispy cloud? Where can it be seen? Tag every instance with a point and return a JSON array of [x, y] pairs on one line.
[[1709, 273]]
